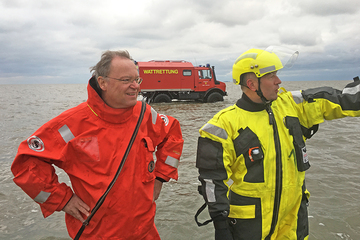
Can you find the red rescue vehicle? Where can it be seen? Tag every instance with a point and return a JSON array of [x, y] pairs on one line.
[[167, 80]]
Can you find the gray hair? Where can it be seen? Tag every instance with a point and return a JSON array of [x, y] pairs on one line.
[[102, 68]]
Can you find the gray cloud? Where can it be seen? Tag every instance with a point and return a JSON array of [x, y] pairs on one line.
[[57, 41], [231, 13], [330, 7]]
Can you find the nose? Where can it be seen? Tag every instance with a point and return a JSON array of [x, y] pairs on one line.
[[134, 85], [278, 81]]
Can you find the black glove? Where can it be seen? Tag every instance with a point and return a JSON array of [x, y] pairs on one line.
[[223, 234]]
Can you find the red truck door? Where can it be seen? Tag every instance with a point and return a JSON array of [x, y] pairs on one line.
[[203, 79]]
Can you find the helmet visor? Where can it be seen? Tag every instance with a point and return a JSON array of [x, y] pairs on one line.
[[287, 56]]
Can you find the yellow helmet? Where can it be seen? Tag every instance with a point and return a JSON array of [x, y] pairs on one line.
[[256, 61]]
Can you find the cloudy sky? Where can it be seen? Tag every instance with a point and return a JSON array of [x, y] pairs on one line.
[[56, 41]]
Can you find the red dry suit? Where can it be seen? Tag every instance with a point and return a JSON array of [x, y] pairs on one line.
[[88, 143]]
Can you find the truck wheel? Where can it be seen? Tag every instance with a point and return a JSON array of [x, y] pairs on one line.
[[214, 97], [162, 98]]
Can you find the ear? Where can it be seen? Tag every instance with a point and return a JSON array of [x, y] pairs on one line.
[[252, 84], [102, 83]]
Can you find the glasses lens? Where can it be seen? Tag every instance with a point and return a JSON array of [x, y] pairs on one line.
[[128, 81]]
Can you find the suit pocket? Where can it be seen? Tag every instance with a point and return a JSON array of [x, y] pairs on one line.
[[148, 164], [248, 144], [245, 218], [293, 124]]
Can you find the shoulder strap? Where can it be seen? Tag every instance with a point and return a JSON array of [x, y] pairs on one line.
[[102, 198]]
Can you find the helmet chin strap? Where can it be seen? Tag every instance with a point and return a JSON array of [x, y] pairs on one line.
[[261, 95]]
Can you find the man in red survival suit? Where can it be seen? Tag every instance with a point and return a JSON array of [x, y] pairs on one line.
[[89, 143]]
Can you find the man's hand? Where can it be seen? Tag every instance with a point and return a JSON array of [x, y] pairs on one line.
[[75, 207], [157, 189]]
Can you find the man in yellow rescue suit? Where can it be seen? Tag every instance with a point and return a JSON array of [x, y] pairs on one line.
[[252, 156]]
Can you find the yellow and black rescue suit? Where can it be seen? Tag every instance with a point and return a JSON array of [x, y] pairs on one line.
[[252, 160]]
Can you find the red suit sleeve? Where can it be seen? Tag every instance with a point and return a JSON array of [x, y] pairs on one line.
[[169, 150], [34, 172]]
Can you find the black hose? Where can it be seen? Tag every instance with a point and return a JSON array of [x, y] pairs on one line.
[[102, 198]]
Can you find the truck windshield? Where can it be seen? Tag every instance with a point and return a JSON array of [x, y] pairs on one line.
[[206, 73]]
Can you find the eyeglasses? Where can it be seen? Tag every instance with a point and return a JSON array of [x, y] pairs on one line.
[[138, 80]]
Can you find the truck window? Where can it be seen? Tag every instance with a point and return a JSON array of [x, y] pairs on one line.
[[200, 74], [187, 72], [205, 73]]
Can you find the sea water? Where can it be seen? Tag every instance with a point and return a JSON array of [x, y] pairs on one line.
[[333, 179]]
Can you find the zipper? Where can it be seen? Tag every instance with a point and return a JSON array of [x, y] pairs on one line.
[[278, 183]]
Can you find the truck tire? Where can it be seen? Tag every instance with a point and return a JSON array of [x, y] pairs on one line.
[[162, 97], [214, 97]]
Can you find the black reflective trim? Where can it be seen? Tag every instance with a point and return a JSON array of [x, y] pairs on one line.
[[221, 205], [302, 230], [209, 161], [346, 101], [247, 140], [222, 202], [244, 229]]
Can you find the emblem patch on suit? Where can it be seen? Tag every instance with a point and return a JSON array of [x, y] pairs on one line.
[[36, 144], [151, 166], [164, 118]]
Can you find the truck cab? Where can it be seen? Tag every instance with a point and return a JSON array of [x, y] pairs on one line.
[[164, 81]]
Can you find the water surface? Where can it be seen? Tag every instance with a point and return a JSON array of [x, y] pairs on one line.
[[333, 179]]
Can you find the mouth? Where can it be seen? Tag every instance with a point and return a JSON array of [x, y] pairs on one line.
[[132, 94]]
